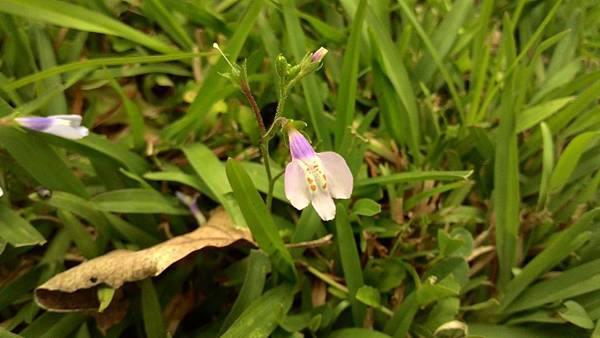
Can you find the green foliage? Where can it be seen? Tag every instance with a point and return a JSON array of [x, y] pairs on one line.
[[471, 129]]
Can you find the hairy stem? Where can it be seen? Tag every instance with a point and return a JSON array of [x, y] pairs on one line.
[[264, 142]]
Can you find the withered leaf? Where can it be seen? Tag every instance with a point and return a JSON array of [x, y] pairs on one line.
[[75, 289]]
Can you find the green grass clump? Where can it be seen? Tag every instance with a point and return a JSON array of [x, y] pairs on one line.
[[472, 129]]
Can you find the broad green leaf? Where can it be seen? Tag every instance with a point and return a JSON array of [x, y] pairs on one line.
[[212, 172], [105, 296], [141, 201], [40, 161], [368, 295], [366, 207], [575, 313], [260, 319], [259, 178], [17, 231]]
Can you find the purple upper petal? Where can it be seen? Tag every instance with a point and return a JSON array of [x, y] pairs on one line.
[[299, 146], [35, 122]]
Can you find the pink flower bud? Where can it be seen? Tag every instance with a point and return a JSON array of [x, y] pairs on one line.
[[318, 55]]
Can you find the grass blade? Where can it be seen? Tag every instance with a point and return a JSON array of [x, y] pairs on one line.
[[259, 219], [350, 261], [346, 95], [65, 14]]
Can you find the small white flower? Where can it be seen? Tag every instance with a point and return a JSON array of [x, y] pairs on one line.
[[67, 126], [315, 178]]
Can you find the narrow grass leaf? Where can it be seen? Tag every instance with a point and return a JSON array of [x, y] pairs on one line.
[[346, 94], [168, 22], [444, 36], [433, 52], [532, 116], [350, 261], [254, 282], [95, 63], [258, 218], [82, 238], [357, 332], [573, 282], [569, 159], [69, 15], [151, 311], [215, 85], [312, 93], [547, 163], [557, 250], [45, 53], [395, 70], [260, 319], [415, 176]]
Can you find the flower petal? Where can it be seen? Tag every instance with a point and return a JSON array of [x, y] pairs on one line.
[[34, 122], [299, 147], [323, 204], [67, 131], [338, 174], [72, 119], [296, 188]]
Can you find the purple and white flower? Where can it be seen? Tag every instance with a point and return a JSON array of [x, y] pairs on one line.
[[315, 178], [67, 126]]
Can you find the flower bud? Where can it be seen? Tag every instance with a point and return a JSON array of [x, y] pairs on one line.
[[282, 66], [318, 56]]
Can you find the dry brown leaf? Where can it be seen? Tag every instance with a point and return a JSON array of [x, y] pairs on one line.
[[75, 289]]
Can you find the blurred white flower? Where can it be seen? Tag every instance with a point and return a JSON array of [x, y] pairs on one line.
[[67, 126]]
